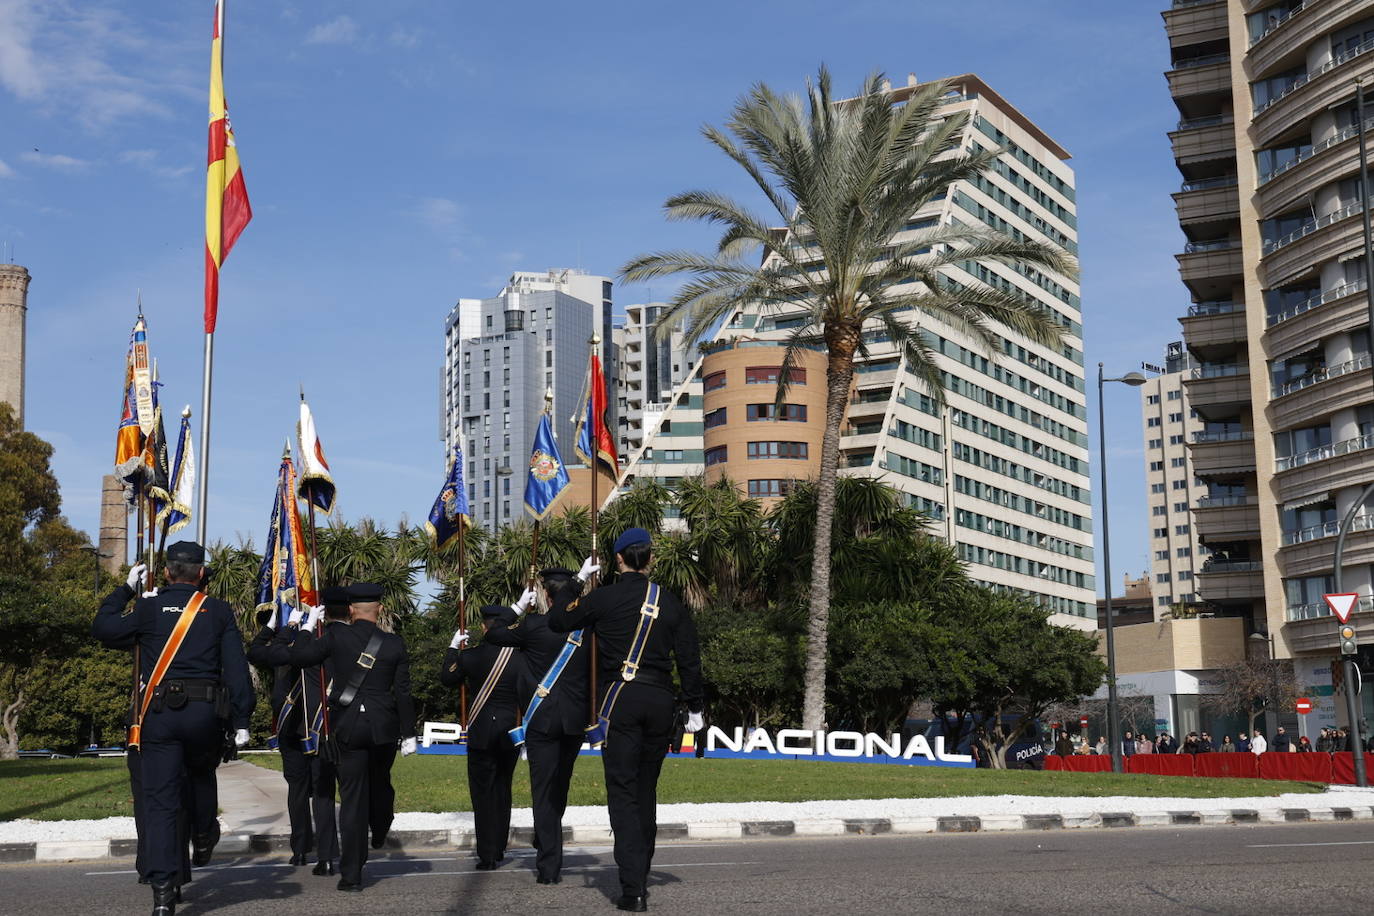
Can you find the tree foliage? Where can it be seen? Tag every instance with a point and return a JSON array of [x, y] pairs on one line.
[[1254, 686]]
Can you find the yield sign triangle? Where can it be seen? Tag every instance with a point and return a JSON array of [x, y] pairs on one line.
[[1342, 604]]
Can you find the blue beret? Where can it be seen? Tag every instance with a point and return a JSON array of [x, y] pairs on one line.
[[631, 537]]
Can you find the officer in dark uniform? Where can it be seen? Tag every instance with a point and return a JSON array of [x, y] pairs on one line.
[[370, 710], [491, 754], [182, 734], [641, 723], [556, 730], [309, 776]]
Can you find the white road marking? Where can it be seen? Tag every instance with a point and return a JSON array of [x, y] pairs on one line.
[[1292, 845], [566, 869]]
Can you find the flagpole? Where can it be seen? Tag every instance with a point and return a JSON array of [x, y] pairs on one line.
[[203, 482], [315, 580], [591, 580], [462, 614]]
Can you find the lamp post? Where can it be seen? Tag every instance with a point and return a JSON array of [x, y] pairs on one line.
[[1135, 380]]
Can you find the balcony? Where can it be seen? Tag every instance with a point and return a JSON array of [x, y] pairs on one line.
[[1204, 139], [1228, 519], [1319, 89], [1193, 22], [1201, 261], [1218, 388], [1211, 325], [1230, 580], [1334, 311], [1319, 240], [1222, 454], [1312, 551], [1321, 470], [1325, 163], [1312, 628], [868, 407], [1210, 75], [1321, 393], [1209, 200], [1286, 36]]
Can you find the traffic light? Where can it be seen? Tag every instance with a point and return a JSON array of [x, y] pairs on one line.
[[1348, 646]]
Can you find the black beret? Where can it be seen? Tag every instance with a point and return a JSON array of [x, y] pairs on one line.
[[334, 595], [499, 613], [556, 571], [186, 552], [364, 592]]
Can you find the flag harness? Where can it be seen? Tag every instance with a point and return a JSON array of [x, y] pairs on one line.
[[648, 613]]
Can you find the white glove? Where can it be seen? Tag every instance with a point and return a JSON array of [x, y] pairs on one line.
[[151, 594], [589, 568], [407, 747], [523, 604], [316, 614], [137, 573], [460, 638], [694, 723], [241, 738], [294, 618]]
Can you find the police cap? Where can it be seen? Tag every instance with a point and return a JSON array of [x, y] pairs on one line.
[[364, 593], [333, 596], [186, 552]]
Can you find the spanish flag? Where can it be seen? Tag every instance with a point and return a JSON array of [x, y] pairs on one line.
[[226, 197], [594, 441]]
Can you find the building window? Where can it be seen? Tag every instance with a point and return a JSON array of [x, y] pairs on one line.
[[714, 381], [714, 418], [1158, 510], [1161, 577], [548, 358], [716, 455], [1156, 488], [1180, 485], [1182, 529], [1156, 443], [1156, 465], [1177, 462], [1161, 554], [763, 375], [1161, 532], [1152, 421], [777, 450], [1185, 575], [790, 412], [769, 487], [1162, 600], [1180, 507], [486, 357], [1151, 399], [1184, 552], [1176, 440], [1175, 395], [1176, 417]]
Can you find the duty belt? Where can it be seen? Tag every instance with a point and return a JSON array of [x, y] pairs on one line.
[[574, 641], [629, 669]]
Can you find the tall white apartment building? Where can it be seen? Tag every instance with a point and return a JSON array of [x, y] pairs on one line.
[[648, 371], [1003, 468]]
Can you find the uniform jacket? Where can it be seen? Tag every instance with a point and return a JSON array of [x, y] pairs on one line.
[[212, 649], [566, 710], [271, 648], [502, 710], [382, 712], [612, 612]]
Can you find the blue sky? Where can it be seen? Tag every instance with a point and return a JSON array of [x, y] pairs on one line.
[[401, 155]]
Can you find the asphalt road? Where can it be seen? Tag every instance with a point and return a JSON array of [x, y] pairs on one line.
[[1286, 868]]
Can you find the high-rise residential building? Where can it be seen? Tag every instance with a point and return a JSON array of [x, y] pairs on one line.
[[531, 338], [14, 299], [648, 370], [1003, 469], [1173, 491], [1271, 207]]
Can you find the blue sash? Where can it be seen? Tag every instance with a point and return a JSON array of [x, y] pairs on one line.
[[648, 613], [574, 641]]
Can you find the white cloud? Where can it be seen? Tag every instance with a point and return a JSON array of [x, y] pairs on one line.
[[58, 162], [5, 170], [404, 38], [340, 31], [19, 71], [149, 161], [439, 213]]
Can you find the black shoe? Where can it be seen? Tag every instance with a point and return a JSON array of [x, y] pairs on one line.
[[545, 880], [486, 865], [353, 886], [143, 879], [379, 839], [299, 859], [164, 898], [633, 904], [323, 868], [203, 846]]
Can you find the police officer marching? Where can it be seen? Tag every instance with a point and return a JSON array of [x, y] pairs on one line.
[[493, 676], [643, 630], [193, 676], [554, 727], [370, 711]]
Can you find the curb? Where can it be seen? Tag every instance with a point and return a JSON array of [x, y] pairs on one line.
[[449, 840]]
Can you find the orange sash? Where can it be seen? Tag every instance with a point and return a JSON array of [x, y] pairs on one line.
[[164, 661]]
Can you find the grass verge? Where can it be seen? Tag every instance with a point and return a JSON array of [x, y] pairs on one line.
[[64, 790]]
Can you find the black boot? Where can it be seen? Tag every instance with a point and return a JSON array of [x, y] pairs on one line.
[[164, 898], [203, 845]]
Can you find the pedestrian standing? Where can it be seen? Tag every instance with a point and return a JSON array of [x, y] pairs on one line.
[[370, 712], [555, 723], [1280, 742], [644, 631], [493, 676], [1257, 743], [194, 674]]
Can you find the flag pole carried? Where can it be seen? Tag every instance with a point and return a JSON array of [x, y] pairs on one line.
[[317, 488], [227, 212], [449, 518]]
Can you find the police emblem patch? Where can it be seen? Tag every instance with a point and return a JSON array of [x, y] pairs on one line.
[[543, 466]]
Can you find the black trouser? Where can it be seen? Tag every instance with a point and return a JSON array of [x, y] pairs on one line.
[[552, 758], [366, 800], [180, 750], [134, 761], [323, 778], [489, 774], [297, 769], [637, 742]]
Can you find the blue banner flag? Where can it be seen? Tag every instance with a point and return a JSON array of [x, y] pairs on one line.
[[548, 477], [450, 509]]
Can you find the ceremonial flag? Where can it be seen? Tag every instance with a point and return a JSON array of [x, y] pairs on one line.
[[177, 512], [316, 486], [136, 416], [284, 581], [548, 477], [156, 473], [227, 210], [450, 510], [594, 441]]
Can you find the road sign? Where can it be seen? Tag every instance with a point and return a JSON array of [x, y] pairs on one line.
[[1303, 705], [1341, 604], [1083, 722]]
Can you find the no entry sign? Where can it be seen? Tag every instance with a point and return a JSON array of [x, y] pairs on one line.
[[1303, 705]]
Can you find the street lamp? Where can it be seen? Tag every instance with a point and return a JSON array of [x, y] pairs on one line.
[[1135, 380]]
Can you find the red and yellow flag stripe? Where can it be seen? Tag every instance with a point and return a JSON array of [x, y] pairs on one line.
[[227, 210]]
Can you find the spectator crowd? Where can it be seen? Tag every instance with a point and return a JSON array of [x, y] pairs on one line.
[[1330, 740]]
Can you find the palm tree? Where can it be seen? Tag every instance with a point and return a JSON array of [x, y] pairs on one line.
[[843, 179]]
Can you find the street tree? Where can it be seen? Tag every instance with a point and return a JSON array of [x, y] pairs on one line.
[[1255, 686], [842, 180]]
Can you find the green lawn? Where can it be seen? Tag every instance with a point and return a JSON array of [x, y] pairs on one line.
[[426, 783], [64, 790]]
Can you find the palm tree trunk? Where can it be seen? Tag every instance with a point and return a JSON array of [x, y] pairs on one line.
[[839, 374]]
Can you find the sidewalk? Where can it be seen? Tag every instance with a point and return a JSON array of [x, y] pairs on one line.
[[253, 816]]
